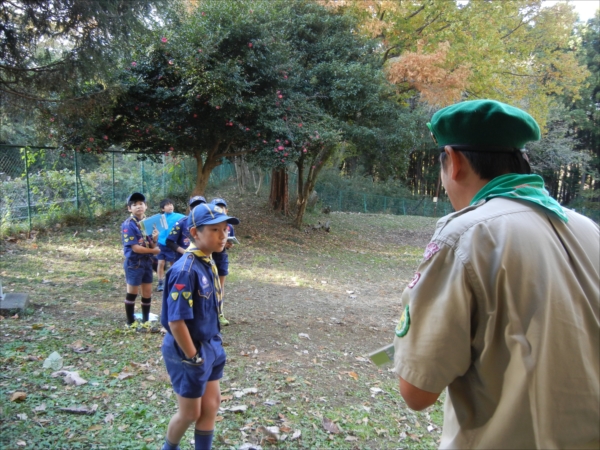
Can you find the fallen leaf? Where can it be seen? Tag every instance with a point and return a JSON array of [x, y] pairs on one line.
[[125, 375], [226, 398], [95, 428], [109, 418], [80, 409], [71, 378], [18, 397], [40, 408], [304, 336], [353, 375], [22, 416], [296, 435], [219, 418], [330, 426], [351, 439], [21, 443], [151, 378]]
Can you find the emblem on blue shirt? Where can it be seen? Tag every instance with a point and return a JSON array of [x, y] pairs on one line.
[[404, 323], [204, 281], [175, 295]]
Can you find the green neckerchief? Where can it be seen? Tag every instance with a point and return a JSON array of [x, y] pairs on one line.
[[524, 187], [208, 260]]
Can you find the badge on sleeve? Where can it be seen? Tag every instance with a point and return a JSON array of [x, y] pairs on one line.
[[174, 295], [404, 323], [415, 280], [431, 249]]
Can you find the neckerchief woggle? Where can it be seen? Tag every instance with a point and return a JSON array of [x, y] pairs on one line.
[[208, 260], [523, 187]]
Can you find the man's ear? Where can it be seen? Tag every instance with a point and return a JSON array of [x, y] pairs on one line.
[[455, 164]]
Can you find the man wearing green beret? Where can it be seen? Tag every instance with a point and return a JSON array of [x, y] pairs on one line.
[[504, 309]]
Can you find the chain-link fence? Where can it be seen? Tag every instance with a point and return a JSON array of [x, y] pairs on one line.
[[40, 186]]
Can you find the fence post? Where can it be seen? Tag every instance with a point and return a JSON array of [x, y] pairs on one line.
[[384, 203], [365, 202], [76, 185], [28, 189], [163, 175], [142, 171], [340, 201], [403, 207], [113, 181]]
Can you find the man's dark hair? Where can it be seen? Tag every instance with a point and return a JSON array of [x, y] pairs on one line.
[[489, 165], [165, 202]]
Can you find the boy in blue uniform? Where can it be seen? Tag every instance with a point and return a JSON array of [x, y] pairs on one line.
[[138, 250], [222, 259], [192, 348], [166, 255], [178, 238]]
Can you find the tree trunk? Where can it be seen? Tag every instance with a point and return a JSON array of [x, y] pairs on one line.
[[279, 196], [260, 180], [204, 169]]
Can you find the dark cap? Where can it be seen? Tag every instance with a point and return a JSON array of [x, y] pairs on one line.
[[136, 197], [209, 214], [194, 201], [486, 125], [219, 202]]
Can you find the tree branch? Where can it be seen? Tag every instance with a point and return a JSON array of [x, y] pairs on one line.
[[415, 13], [385, 55], [420, 29]]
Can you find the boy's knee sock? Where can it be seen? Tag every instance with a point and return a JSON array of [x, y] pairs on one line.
[[169, 445], [203, 439], [129, 307], [146, 309]]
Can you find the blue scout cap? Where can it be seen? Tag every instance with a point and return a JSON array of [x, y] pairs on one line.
[[219, 202], [194, 201], [209, 214], [136, 197], [483, 125]]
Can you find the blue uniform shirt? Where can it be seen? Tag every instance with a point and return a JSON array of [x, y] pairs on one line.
[[131, 234], [180, 233], [190, 295]]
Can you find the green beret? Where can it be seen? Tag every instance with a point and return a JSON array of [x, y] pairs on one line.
[[487, 125]]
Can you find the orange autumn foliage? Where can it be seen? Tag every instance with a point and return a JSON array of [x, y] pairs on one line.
[[426, 73]]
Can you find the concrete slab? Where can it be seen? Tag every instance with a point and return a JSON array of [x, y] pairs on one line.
[[14, 302]]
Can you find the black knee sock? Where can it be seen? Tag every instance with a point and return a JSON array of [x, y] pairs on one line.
[[130, 307], [146, 309]]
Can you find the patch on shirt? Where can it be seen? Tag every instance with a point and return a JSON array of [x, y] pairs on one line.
[[186, 242], [204, 281], [131, 238], [174, 295], [431, 249], [191, 302], [125, 235], [404, 323], [186, 295], [179, 286], [415, 280]]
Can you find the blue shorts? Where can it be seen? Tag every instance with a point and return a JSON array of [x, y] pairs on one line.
[[166, 254], [188, 380], [138, 272]]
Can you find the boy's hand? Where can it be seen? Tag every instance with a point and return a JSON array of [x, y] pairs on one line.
[[229, 245], [155, 250], [155, 234]]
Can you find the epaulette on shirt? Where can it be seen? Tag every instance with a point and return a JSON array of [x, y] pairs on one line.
[[189, 261]]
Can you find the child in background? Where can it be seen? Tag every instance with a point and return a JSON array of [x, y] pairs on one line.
[[192, 348], [179, 236], [222, 259], [166, 255], [138, 249]]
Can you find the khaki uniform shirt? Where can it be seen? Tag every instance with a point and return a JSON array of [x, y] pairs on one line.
[[504, 311]]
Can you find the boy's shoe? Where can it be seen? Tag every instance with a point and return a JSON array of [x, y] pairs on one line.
[[223, 321], [161, 286], [133, 326]]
